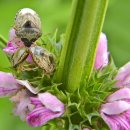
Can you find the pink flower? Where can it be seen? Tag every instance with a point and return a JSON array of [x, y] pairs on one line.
[[14, 44], [116, 112], [22, 104], [123, 76], [85, 129], [36, 108], [101, 54], [47, 107], [10, 49], [8, 84], [19, 92], [29, 59], [14, 39]]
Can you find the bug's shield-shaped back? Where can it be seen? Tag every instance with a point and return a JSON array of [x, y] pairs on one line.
[[19, 56], [43, 58]]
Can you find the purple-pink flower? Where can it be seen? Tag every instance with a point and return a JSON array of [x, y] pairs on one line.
[[47, 107], [123, 76], [19, 92], [85, 129], [8, 84], [116, 112], [11, 48], [36, 109], [22, 104], [101, 53], [14, 44]]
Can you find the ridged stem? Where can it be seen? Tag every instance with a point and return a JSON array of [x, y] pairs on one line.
[[78, 53]]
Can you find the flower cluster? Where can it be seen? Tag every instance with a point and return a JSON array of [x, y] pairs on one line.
[[116, 112], [38, 107], [33, 106]]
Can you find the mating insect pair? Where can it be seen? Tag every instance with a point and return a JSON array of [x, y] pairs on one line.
[[27, 27]]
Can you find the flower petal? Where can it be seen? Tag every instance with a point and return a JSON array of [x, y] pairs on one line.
[[123, 76], [117, 122], [85, 129], [51, 102], [10, 49], [29, 59], [13, 44], [115, 108], [27, 85], [12, 34], [41, 115], [14, 39], [22, 104], [101, 54], [8, 84], [35, 101], [47, 107], [121, 94]]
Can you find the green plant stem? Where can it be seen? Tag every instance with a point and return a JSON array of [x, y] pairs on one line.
[[78, 53]]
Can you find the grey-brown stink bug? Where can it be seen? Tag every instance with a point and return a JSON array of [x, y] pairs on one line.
[[27, 27], [41, 57]]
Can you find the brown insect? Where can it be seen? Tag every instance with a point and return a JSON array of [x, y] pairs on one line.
[[28, 28]]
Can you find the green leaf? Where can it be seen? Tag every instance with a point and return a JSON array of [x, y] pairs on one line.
[[3, 42], [55, 124]]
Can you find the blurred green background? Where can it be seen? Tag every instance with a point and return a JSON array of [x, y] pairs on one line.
[[55, 14]]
